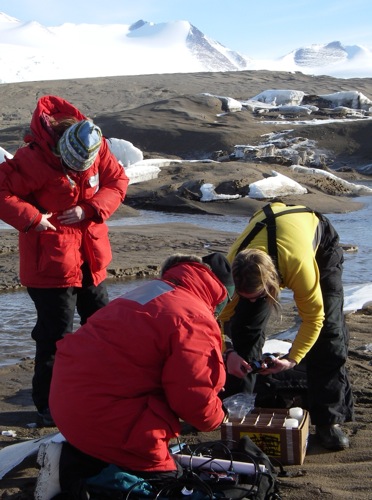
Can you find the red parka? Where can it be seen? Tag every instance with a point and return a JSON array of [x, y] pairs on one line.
[[34, 182], [123, 380]]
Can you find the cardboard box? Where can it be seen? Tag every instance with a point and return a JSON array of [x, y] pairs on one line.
[[265, 426]]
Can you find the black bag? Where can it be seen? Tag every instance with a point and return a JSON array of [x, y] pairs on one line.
[[282, 390], [197, 483], [257, 486]]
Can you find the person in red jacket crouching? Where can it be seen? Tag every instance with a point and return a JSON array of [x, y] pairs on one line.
[[57, 191], [123, 381]]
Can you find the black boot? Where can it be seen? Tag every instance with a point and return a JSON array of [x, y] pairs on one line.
[[332, 437]]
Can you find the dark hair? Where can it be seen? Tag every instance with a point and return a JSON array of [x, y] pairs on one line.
[[56, 128], [177, 258], [60, 126]]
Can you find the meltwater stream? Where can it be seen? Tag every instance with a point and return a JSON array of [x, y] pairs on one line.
[[18, 316]]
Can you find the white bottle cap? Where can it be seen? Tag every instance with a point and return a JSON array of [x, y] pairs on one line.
[[291, 423], [296, 413]]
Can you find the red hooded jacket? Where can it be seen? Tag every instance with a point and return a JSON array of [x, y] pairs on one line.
[[123, 380], [33, 182]]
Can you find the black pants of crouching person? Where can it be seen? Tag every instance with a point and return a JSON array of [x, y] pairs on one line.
[[75, 467], [55, 309], [329, 393]]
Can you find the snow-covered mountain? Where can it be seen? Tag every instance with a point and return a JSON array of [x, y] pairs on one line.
[[325, 55], [30, 51], [332, 59]]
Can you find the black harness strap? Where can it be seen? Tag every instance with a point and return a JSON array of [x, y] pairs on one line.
[[270, 223], [272, 247]]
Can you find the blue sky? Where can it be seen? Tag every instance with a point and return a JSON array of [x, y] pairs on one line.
[[264, 29]]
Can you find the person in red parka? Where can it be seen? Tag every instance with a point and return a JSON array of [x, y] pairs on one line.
[[122, 382], [57, 191]]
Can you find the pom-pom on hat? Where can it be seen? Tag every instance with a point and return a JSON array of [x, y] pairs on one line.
[[220, 266], [79, 145]]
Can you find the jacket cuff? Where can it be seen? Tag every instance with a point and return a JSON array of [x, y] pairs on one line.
[[89, 211], [35, 222], [226, 354]]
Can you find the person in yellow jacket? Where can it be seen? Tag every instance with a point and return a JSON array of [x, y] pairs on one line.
[[292, 247]]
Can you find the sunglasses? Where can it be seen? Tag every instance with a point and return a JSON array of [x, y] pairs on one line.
[[253, 296]]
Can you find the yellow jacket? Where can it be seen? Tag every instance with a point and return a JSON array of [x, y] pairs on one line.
[[297, 237]]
